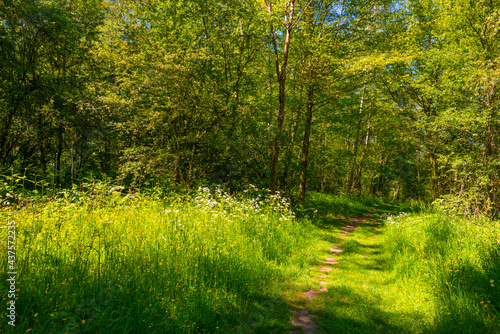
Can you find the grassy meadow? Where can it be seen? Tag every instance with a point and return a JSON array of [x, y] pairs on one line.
[[132, 264], [210, 262]]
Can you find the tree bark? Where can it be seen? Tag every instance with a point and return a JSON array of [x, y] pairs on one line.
[[351, 182], [288, 156], [432, 163], [281, 75], [59, 154], [305, 144], [357, 177]]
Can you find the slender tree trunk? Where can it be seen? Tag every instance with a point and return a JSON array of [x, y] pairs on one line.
[[305, 144], [400, 169], [80, 161], [357, 177], [293, 136], [72, 164], [277, 139], [324, 169], [281, 75], [492, 203], [350, 182], [432, 162], [378, 188], [348, 164], [43, 159], [488, 152], [370, 187], [59, 154], [191, 159]]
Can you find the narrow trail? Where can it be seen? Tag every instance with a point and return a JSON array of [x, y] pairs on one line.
[[303, 318]]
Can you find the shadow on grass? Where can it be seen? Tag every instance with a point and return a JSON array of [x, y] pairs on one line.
[[125, 304], [349, 311], [331, 206], [372, 255], [266, 315], [468, 291]]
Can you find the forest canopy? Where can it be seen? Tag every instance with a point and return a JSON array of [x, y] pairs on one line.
[[398, 99]]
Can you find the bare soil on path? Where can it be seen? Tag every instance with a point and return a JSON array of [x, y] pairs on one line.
[[303, 319]]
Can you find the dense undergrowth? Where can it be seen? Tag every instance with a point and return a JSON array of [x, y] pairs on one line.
[[132, 264]]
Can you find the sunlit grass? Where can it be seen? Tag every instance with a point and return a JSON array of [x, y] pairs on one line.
[[364, 295], [343, 206], [119, 264], [455, 263], [215, 263], [408, 273]]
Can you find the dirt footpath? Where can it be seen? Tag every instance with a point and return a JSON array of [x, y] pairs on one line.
[[303, 318]]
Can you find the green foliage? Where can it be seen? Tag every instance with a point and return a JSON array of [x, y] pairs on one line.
[[128, 264], [386, 98]]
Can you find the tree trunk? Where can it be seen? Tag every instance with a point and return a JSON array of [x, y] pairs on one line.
[[288, 157], [488, 154], [350, 182], [43, 159], [72, 164], [59, 154], [281, 75], [432, 162], [357, 177], [305, 144]]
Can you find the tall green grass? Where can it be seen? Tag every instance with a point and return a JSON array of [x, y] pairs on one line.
[[451, 263], [130, 264]]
